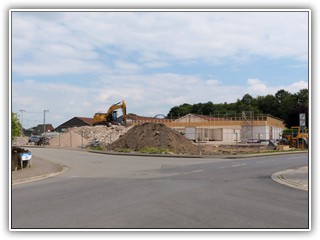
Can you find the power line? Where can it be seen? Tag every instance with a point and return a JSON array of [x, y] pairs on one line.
[[33, 112]]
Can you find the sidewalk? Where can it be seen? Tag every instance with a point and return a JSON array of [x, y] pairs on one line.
[[40, 169]]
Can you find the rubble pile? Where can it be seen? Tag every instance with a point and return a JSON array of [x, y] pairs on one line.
[[103, 134], [154, 135], [83, 136]]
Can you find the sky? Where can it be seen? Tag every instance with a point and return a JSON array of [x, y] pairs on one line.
[[79, 63]]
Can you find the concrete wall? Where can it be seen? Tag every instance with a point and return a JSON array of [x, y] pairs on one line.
[[211, 134], [266, 133], [229, 134]]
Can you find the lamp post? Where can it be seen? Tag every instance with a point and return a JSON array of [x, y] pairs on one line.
[[44, 121]]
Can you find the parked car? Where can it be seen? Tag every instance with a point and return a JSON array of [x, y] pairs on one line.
[[35, 139]]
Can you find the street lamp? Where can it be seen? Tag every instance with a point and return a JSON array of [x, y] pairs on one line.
[[44, 121]]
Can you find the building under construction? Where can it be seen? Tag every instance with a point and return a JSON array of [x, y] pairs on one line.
[[245, 128]]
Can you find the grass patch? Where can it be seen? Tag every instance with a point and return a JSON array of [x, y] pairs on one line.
[[154, 150], [124, 150], [97, 148]]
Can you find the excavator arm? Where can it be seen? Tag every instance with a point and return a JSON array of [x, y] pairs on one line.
[[107, 118]]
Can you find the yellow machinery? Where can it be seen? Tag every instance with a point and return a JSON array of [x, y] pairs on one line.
[[296, 138], [111, 116]]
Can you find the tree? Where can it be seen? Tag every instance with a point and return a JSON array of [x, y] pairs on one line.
[[283, 105], [15, 126], [268, 105], [247, 99], [281, 95], [179, 111]]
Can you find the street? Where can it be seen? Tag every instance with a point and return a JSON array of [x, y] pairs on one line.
[[121, 192]]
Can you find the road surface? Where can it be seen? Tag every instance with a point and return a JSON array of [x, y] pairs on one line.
[[126, 192]]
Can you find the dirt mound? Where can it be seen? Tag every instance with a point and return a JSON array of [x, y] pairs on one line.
[[154, 135]]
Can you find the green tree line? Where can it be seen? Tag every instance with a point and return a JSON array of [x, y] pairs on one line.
[[283, 104], [15, 125]]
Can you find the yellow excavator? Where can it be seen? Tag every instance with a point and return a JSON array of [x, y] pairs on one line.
[[110, 117]]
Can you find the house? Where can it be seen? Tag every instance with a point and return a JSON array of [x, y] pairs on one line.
[[38, 130], [75, 122]]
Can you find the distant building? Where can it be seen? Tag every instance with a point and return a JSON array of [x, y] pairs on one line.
[[247, 128], [38, 130], [74, 122]]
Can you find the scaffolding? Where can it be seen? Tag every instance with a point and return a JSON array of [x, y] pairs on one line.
[[247, 126]]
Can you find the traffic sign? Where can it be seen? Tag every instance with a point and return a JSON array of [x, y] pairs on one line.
[[302, 118]]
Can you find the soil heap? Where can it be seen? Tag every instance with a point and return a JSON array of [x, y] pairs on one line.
[[154, 135]]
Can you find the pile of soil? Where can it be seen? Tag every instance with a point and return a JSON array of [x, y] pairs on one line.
[[154, 135]]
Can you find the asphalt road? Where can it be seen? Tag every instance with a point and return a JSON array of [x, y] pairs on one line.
[[123, 192]]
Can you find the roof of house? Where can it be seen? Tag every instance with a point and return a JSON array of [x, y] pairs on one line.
[[75, 122], [87, 120], [39, 129], [48, 126]]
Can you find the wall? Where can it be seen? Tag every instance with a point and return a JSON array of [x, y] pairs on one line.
[[266, 133], [231, 135]]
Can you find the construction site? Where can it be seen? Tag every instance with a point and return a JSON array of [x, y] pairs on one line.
[[191, 134]]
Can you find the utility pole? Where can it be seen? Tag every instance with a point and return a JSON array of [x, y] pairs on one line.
[[44, 121], [21, 114]]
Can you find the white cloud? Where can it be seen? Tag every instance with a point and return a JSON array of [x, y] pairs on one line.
[[213, 82], [124, 54], [176, 36], [125, 67], [145, 95], [258, 87], [297, 86]]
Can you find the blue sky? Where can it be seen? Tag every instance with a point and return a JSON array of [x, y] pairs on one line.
[[79, 63]]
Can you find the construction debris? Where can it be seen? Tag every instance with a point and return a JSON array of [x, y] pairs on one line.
[[77, 137]]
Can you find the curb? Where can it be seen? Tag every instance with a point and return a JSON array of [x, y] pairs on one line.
[[144, 154], [263, 154], [196, 156], [40, 177], [282, 178], [233, 156]]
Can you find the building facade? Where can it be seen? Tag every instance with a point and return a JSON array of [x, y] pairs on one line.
[[200, 128]]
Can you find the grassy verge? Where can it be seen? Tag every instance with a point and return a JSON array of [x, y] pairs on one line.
[[154, 150], [124, 150], [97, 148]]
